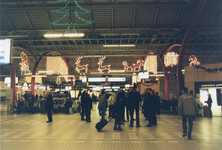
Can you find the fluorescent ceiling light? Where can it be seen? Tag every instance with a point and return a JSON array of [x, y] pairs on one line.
[[66, 75], [156, 75], [121, 45], [96, 72], [65, 35], [38, 76], [109, 34], [116, 71], [130, 33]]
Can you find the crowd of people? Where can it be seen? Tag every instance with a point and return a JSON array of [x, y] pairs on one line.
[[121, 106]]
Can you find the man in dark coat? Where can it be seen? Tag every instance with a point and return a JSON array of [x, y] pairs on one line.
[[49, 106], [83, 105], [134, 100], [88, 107], [209, 101], [118, 111]]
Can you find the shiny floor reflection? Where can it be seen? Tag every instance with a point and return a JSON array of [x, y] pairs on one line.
[[68, 132]]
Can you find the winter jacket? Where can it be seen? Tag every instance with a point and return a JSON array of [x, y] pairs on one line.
[[187, 105], [112, 98]]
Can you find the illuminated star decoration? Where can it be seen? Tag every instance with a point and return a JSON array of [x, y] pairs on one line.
[[68, 11], [171, 59]]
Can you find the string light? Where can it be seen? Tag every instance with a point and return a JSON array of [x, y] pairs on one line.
[[151, 64], [66, 12], [57, 65], [171, 59]]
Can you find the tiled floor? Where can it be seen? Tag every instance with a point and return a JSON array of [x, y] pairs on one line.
[[67, 132]]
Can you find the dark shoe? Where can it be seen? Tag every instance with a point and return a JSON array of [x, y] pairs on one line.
[[120, 129], [185, 134], [189, 138], [130, 125], [115, 128], [138, 126], [48, 121], [149, 125]]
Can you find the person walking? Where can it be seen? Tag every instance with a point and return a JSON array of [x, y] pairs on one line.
[[209, 101], [102, 104], [134, 100], [187, 107], [111, 101], [49, 106]]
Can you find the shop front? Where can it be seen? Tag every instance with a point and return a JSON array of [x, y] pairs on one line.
[[204, 82], [215, 90]]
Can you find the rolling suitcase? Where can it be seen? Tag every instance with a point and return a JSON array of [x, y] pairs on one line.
[[102, 124]]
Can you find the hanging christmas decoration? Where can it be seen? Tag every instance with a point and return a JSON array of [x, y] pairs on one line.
[[82, 67], [171, 59], [57, 66], [24, 65], [58, 80], [150, 64], [101, 67], [196, 64], [68, 11], [193, 61], [134, 67]]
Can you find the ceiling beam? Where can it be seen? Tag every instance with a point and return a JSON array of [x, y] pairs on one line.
[[28, 19], [8, 20]]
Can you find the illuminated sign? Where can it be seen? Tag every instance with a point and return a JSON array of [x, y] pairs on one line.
[[211, 85], [97, 79], [116, 79], [5, 51], [143, 75]]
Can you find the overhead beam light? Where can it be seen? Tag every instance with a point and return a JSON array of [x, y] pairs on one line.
[[38, 75], [65, 35], [109, 34], [121, 45]]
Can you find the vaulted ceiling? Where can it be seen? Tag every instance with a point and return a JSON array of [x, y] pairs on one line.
[[152, 25]]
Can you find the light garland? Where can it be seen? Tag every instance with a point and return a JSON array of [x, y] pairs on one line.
[[37, 79], [150, 64], [82, 67], [171, 59], [134, 67], [24, 65], [101, 67], [68, 12], [57, 65]]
